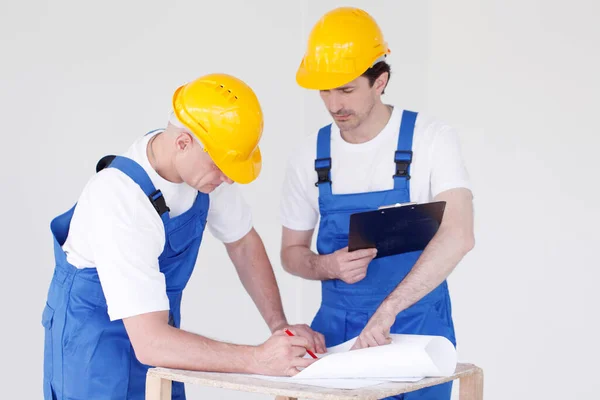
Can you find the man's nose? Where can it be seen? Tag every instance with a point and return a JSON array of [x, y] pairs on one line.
[[335, 103]]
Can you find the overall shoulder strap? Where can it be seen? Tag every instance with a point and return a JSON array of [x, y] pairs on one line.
[[135, 171], [323, 161], [403, 154]]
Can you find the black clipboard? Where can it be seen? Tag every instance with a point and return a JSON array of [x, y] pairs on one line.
[[396, 229]]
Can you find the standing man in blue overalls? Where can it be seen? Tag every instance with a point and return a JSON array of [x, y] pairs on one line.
[[125, 252], [374, 155]]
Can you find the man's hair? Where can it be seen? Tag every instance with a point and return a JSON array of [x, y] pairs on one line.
[[375, 72]]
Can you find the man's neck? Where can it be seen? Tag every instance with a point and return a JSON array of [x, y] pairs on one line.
[[160, 159], [371, 127]]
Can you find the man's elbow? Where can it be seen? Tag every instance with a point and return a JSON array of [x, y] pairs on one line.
[[461, 241], [467, 243], [146, 334], [283, 257], [289, 260], [146, 353]]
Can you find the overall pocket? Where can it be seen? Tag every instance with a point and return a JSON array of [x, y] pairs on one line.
[[180, 239], [77, 324], [47, 319]]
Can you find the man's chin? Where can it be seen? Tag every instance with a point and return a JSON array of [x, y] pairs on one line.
[[207, 189], [345, 125]]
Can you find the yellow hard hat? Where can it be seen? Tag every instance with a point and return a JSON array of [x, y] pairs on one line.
[[225, 115], [342, 45]]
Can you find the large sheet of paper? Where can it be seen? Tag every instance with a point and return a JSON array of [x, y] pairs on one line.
[[408, 358]]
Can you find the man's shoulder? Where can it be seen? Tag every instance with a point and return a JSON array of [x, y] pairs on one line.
[[113, 181], [429, 127], [111, 188], [430, 122], [303, 153], [113, 197]]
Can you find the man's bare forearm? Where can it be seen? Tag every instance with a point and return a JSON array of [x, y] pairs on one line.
[[450, 244], [158, 344], [256, 274], [299, 260], [437, 261]]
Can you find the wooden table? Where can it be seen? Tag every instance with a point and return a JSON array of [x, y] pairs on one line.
[[158, 385]]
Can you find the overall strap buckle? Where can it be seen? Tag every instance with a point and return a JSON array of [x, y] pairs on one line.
[[403, 159], [158, 201], [323, 167]]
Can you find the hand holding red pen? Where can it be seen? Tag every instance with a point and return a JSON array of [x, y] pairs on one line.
[[289, 333], [281, 355], [315, 339]]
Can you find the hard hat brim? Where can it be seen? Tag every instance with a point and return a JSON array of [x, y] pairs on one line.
[[242, 172], [331, 80], [322, 81]]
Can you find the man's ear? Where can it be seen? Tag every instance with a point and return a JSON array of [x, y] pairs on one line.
[[183, 141], [381, 82]]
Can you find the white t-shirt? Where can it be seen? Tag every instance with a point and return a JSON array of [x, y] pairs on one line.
[[116, 229], [437, 166]]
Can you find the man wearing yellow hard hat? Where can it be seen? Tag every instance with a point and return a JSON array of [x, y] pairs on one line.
[[125, 252], [374, 155]]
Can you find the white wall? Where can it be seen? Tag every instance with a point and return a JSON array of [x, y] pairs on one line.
[[519, 79]]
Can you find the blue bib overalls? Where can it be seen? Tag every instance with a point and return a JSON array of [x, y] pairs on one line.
[[87, 356], [346, 308]]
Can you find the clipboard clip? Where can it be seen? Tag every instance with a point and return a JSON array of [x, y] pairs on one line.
[[410, 203]]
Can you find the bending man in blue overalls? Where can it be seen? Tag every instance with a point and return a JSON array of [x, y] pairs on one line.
[[125, 252], [374, 155]]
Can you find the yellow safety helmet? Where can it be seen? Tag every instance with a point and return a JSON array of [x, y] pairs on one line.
[[225, 115], [342, 45]]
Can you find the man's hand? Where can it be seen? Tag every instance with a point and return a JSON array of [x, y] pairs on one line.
[[377, 331], [350, 267], [315, 339], [298, 259], [282, 355]]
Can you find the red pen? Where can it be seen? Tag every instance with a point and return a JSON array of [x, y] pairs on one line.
[[289, 333]]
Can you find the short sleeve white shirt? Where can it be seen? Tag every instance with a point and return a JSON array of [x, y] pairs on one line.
[[437, 166], [116, 230]]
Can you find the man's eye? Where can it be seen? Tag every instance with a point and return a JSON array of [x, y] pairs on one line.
[[347, 90]]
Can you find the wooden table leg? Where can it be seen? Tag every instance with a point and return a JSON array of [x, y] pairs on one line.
[[471, 386], [158, 388]]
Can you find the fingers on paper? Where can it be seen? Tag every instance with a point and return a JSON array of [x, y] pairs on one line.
[[303, 362], [312, 338], [381, 339], [371, 339], [358, 344], [321, 347]]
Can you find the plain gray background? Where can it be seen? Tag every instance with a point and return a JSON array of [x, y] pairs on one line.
[[518, 79]]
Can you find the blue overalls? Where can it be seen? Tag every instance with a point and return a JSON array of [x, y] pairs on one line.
[[86, 356], [346, 308]]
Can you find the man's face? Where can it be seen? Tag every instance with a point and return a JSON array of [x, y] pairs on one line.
[[195, 167], [351, 104]]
